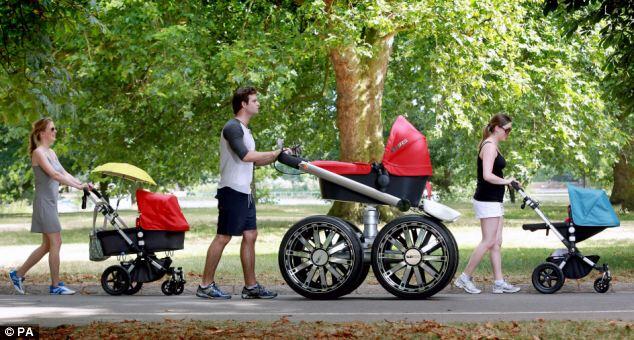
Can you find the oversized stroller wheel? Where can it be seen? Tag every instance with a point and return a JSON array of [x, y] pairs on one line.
[[601, 285], [134, 288], [166, 288], [548, 278], [115, 280], [321, 257], [414, 257]]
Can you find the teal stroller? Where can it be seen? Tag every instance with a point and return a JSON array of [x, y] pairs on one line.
[[589, 213]]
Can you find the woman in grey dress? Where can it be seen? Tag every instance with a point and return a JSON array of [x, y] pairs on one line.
[[48, 173]]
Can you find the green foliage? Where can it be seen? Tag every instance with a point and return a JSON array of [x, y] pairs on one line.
[[491, 56], [15, 177], [149, 83]]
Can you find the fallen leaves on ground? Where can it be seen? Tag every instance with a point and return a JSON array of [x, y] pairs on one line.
[[286, 329]]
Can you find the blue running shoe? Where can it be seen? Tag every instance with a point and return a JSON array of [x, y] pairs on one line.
[[257, 292], [61, 289], [17, 281], [212, 292]]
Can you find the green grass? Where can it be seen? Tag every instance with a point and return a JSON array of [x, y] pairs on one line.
[[274, 221], [285, 329]]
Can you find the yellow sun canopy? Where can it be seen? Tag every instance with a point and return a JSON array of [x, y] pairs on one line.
[[125, 171]]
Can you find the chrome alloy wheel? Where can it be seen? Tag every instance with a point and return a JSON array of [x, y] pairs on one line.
[[414, 257], [320, 256]]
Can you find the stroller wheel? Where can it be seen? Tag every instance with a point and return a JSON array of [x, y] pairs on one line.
[[548, 278], [178, 288], [321, 257], [601, 285], [115, 280], [134, 288], [414, 257], [166, 288]]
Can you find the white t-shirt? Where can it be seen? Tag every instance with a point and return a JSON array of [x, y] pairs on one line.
[[235, 141]]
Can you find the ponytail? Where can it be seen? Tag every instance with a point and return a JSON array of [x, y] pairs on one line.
[[499, 119], [36, 128]]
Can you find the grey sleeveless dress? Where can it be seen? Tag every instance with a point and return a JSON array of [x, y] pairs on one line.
[[45, 218]]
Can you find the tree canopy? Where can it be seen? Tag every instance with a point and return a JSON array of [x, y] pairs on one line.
[[150, 82]]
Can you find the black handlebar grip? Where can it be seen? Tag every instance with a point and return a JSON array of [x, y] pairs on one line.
[[516, 185], [83, 198], [289, 160], [96, 192]]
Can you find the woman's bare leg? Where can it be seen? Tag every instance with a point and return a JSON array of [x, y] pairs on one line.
[[35, 257], [489, 229]]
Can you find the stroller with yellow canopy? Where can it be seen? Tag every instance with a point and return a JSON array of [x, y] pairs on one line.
[[160, 227]]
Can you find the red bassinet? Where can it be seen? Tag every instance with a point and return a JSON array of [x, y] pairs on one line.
[[161, 220], [406, 160]]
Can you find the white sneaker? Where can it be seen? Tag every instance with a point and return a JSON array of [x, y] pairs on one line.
[[505, 287], [464, 282]]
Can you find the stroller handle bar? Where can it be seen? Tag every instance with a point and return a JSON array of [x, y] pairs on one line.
[[533, 204]]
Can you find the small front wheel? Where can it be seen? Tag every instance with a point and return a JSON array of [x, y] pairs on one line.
[[601, 285], [115, 280], [166, 288], [548, 278], [178, 288]]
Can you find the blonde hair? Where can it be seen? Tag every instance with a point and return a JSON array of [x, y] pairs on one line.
[[37, 127], [500, 120]]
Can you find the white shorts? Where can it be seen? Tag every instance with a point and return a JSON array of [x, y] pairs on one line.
[[488, 209]]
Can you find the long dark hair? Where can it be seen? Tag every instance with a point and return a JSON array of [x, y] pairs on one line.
[[36, 128], [500, 120]]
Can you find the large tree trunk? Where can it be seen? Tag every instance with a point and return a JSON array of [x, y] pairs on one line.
[[360, 83], [623, 190]]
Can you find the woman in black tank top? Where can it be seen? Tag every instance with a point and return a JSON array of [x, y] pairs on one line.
[[487, 203]]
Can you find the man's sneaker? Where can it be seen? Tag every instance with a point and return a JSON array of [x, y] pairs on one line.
[[257, 292], [464, 282], [17, 281], [61, 289], [212, 292], [504, 287]]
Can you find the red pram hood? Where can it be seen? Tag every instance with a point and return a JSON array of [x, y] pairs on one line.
[[160, 212], [406, 152]]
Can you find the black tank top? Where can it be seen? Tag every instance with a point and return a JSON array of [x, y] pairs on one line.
[[485, 191]]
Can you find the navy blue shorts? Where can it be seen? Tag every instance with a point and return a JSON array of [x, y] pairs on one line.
[[236, 212]]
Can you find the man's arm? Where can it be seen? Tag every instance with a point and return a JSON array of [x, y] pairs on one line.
[[261, 158], [234, 135]]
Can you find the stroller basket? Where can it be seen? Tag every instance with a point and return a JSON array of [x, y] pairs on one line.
[[155, 241]]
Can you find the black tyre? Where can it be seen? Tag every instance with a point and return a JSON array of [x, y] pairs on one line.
[[548, 278], [134, 288], [601, 285], [178, 288], [414, 257], [115, 280], [166, 288], [321, 257]]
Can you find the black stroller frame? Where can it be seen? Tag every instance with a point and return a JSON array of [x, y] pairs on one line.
[[128, 277], [549, 276]]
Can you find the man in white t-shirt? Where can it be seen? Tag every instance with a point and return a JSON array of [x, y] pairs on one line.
[[236, 208]]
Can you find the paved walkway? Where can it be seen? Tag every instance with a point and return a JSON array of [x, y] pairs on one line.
[[82, 309]]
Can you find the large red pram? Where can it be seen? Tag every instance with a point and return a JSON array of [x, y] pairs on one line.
[[413, 256]]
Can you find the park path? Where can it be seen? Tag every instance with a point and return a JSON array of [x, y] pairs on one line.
[[82, 309]]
